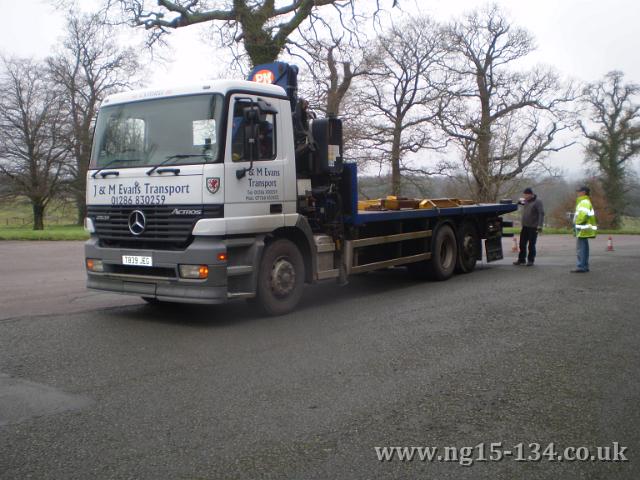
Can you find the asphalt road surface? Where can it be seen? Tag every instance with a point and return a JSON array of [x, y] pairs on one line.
[[94, 385]]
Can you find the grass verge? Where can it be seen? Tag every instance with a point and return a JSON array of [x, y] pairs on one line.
[[54, 232], [630, 226], [567, 231]]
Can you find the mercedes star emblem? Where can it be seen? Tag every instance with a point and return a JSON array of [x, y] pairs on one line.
[[137, 222]]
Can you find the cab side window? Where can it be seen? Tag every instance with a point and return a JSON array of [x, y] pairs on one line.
[[266, 135]]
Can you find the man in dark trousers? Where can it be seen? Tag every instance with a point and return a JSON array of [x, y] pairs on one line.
[[532, 221]]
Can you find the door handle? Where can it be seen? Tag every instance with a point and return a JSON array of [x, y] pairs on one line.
[[175, 171]]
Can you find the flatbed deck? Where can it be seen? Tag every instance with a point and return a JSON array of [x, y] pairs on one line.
[[362, 217]]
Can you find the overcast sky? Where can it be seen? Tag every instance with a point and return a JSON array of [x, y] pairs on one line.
[[583, 39]]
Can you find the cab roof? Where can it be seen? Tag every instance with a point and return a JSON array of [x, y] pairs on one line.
[[214, 86]]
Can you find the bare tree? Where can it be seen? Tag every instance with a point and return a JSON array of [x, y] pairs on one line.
[[89, 66], [262, 26], [504, 121], [615, 137], [333, 59], [32, 148], [400, 95]]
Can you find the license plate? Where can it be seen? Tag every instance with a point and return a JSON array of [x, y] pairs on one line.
[[137, 260]]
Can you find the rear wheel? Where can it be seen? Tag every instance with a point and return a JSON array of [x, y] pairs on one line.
[[468, 248], [444, 253], [280, 278], [443, 256]]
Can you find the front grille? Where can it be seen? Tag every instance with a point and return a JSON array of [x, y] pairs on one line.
[[163, 229], [145, 271]]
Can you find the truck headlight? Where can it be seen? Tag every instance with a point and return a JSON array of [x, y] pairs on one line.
[[95, 265], [194, 271], [88, 225]]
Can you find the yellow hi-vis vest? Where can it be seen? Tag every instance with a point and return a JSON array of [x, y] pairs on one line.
[[585, 218]]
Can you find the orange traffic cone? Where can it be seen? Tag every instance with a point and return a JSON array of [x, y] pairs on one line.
[[515, 248], [610, 244]]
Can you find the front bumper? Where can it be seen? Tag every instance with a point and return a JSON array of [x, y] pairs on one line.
[[162, 281]]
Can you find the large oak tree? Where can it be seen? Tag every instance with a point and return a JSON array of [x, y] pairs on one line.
[[504, 120], [613, 135], [263, 26], [33, 151]]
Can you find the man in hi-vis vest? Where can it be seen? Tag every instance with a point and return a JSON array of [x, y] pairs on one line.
[[585, 227]]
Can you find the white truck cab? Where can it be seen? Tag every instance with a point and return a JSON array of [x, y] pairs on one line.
[[172, 183]]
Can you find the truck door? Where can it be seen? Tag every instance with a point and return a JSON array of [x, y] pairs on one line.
[[253, 201]]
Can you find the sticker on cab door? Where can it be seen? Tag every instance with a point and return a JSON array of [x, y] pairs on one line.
[[130, 191], [263, 185], [213, 184]]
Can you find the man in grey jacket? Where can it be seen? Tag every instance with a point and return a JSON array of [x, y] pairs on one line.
[[532, 221]]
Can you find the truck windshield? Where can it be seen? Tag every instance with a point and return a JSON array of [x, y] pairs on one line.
[[146, 133]]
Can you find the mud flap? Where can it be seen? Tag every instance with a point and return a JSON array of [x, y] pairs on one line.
[[493, 248]]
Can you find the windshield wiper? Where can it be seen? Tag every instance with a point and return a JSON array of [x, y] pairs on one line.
[[178, 155], [115, 160]]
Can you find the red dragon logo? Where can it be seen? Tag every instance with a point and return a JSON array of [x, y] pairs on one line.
[[213, 184]]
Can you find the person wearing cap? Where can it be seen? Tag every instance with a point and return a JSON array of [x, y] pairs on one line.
[[585, 227], [532, 221]]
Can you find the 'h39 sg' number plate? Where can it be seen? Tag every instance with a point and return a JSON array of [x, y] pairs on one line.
[[137, 260]]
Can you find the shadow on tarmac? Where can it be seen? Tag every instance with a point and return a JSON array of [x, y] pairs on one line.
[[373, 284]]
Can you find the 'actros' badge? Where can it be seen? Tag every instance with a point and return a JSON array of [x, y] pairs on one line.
[[137, 222], [213, 184]]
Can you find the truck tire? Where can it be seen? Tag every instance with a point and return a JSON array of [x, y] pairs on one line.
[[280, 278], [468, 247], [444, 253]]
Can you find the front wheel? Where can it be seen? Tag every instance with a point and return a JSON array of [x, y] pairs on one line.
[[280, 278]]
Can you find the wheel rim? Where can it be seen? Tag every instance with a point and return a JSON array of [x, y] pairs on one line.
[[446, 255], [283, 277], [467, 246]]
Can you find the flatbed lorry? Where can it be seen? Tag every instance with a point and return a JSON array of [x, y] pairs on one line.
[[231, 189]]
